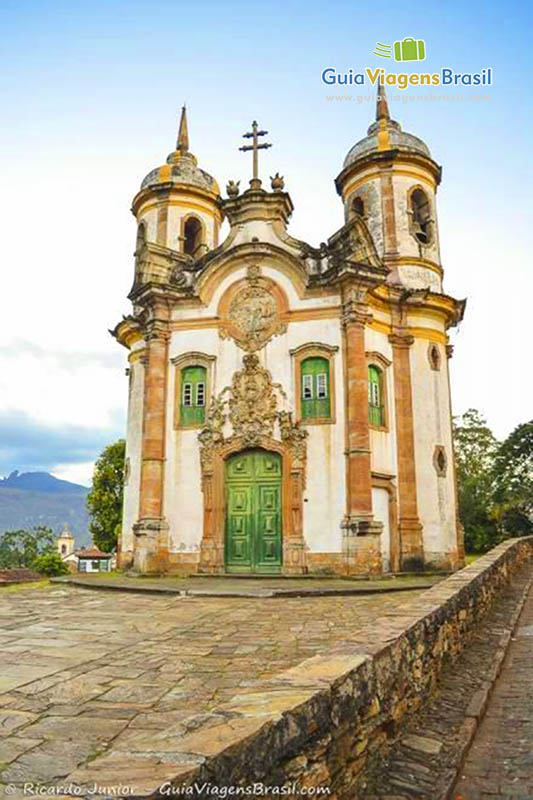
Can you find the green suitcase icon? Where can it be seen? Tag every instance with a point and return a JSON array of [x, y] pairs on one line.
[[410, 50]]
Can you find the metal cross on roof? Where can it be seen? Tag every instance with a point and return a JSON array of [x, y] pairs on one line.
[[255, 183]]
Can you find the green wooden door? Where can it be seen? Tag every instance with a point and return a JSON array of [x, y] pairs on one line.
[[253, 512]]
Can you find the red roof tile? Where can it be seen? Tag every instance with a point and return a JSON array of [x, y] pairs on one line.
[[91, 552]]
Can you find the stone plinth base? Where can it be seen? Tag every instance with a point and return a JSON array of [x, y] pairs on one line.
[[150, 555], [361, 546], [411, 544], [125, 559], [211, 558], [294, 558]]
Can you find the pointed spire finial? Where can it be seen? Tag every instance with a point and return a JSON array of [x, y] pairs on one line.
[[382, 107], [183, 133]]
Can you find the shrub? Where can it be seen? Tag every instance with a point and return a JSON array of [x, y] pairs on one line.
[[50, 564]]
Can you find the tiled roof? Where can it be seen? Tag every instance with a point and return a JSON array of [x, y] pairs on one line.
[[91, 552]]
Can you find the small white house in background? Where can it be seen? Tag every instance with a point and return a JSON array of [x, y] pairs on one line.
[[65, 548], [91, 559], [86, 559]]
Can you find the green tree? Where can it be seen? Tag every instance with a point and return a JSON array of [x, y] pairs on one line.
[[21, 548], [104, 501], [513, 471], [50, 564], [475, 452]]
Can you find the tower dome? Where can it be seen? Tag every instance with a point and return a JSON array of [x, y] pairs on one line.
[[390, 180], [398, 139], [181, 165], [178, 205], [385, 134]]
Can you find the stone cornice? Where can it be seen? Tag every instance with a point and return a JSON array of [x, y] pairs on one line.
[[355, 313], [400, 338], [127, 332], [257, 204], [390, 297], [164, 192], [387, 159]]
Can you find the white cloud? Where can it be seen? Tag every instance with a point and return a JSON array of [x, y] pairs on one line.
[[76, 473]]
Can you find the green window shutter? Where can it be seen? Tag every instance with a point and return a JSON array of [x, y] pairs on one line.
[[376, 415], [315, 388], [193, 396]]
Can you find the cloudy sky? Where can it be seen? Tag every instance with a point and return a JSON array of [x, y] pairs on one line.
[[90, 99]]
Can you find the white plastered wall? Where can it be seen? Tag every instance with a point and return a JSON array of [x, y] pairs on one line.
[[432, 426], [133, 453]]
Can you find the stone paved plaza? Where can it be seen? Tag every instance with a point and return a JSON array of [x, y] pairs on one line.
[[101, 678]]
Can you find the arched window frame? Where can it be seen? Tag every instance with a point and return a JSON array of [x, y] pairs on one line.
[[182, 362], [434, 356], [411, 214], [141, 237], [358, 206], [202, 245], [140, 243], [301, 354], [381, 364]]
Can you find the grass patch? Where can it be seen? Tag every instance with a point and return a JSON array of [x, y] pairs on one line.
[[24, 587], [471, 557]]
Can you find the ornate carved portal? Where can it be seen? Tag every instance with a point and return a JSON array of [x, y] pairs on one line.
[[248, 411]]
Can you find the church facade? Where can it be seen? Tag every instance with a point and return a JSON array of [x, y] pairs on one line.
[[289, 405]]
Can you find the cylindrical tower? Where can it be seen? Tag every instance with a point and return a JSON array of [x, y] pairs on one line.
[[178, 205], [390, 179]]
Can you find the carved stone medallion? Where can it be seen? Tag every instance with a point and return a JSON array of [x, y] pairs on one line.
[[253, 315]]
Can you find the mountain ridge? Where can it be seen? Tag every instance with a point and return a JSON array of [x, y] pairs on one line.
[[39, 482], [29, 499]]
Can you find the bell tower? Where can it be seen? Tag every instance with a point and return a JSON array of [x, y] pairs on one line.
[[390, 179], [178, 205], [65, 542]]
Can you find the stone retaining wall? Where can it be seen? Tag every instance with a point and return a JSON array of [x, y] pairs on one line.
[[318, 723]]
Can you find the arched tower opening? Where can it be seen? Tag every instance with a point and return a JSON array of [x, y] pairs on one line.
[[192, 236]]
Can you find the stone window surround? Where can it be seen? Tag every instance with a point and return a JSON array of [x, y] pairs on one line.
[[191, 359], [183, 221], [299, 354], [439, 451], [375, 359], [435, 365], [431, 219]]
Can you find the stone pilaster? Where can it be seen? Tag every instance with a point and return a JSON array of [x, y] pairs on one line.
[[151, 530], [409, 525], [361, 533], [390, 240], [162, 222]]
